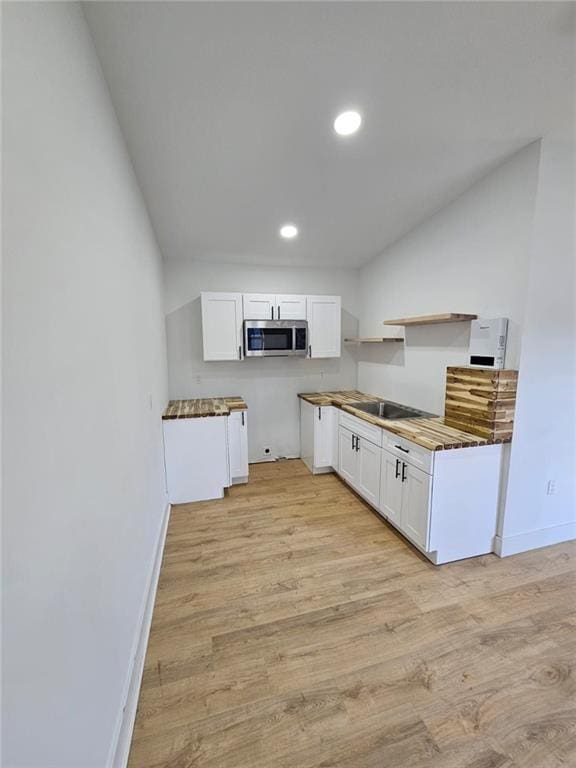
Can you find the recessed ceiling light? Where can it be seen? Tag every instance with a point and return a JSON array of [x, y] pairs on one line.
[[288, 231], [347, 123]]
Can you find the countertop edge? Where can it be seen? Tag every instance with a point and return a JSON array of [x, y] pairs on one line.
[[475, 441], [224, 408]]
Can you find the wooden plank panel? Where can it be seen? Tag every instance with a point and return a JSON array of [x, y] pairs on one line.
[[446, 317], [481, 401]]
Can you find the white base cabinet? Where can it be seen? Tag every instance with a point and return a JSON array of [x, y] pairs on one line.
[[203, 456], [444, 502], [238, 447], [196, 458], [359, 464], [318, 436], [405, 498]]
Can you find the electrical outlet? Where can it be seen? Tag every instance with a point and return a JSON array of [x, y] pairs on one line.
[[551, 487]]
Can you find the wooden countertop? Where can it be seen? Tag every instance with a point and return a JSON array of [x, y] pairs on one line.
[[204, 406], [430, 433]]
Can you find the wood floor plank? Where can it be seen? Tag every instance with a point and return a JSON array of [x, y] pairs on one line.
[[293, 628]]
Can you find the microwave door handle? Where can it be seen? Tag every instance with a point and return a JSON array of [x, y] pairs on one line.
[[272, 311]]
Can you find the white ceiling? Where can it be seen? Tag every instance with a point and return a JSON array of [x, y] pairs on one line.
[[227, 110]]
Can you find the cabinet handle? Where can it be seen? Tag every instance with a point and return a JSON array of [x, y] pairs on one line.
[[353, 446], [242, 418], [278, 308], [397, 474], [319, 414], [403, 471], [272, 310], [402, 449], [357, 443], [310, 350]]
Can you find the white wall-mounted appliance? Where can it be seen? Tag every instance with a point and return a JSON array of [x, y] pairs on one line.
[[488, 343]]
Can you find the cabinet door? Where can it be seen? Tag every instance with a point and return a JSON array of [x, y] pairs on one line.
[[290, 308], [391, 488], [322, 436], [307, 424], [347, 456], [323, 315], [368, 477], [259, 306], [196, 458], [222, 326], [416, 505], [238, 445]]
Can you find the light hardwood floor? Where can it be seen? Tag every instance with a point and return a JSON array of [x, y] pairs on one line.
[[294, 629]]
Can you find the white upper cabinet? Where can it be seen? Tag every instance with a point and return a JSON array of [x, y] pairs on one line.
[[222, 326], [290, 308], [270, 306], [323, 315], [223, 315], [259, 306]]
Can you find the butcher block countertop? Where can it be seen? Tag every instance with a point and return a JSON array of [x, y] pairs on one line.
[[203, 406], [430, 433]]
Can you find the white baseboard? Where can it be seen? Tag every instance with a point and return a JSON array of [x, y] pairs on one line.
[[543, 537], [120, 748]]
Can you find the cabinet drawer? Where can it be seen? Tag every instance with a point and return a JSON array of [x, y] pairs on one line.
[[409, 452], [361, 428]]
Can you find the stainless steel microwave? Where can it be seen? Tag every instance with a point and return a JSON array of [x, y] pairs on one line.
[[275, 338]]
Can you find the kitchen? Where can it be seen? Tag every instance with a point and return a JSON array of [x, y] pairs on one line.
[[288, 384], [437, 480]]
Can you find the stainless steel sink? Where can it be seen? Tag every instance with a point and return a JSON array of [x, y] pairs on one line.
[[389, 410]]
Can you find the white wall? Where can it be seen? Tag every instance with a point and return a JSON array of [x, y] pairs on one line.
[[270, 386], [544, 444], [84, 385], [472, 256]]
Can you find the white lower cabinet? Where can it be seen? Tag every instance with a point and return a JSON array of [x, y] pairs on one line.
[[318, 437], [359, 464], [405, 497], [196, 458], [368, 477], [347, 456], [391, 488], [416, 505], [238, 447], [445, 502]]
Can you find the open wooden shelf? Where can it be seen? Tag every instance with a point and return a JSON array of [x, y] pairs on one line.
[[375, 340], [447, 317]]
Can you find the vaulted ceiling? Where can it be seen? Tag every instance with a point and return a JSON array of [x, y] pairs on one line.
[[227, 111]]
